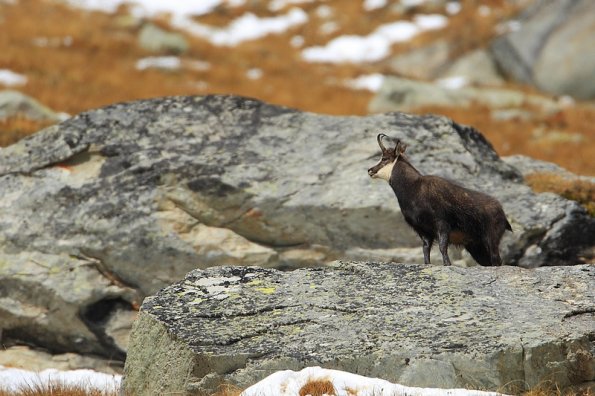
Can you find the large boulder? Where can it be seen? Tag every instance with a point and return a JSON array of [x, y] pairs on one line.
[[116, 203], [402, 94], [553, 48], [476, 67], [504, 328], [422, 63]]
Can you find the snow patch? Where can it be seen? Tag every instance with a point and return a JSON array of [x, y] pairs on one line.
[[328, 28], [12, 379], [159, 62], [150, 8], [324, 11], [370, 82], [375, 46], [370, 5], [412, 3], [430, 22], [453, 7], [455, 82], [297, 41], [197, 65], [508, 26], [278, 5], [484, 10], [286, 383], [254, 74], [244, 28], [11, 79], [247, 27], [53, 42]]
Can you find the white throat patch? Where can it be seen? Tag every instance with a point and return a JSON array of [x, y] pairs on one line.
[[385, 172]]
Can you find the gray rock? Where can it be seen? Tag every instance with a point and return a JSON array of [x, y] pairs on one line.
[[423, 63], [400, 94], [404, 7], [503, 328], [14, 103], [34, 360], [62, 303], [131, 197], [553, 49], [154, 39], [527, 165], [477, 67]]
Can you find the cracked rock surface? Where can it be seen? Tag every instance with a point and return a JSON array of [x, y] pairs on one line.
[[447, 327], [134, 195]]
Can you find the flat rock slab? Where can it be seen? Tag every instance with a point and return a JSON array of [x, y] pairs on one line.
[[485, 328]]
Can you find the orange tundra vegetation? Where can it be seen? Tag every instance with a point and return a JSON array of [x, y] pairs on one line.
[[318, 388], [313, 388], [98, 68]]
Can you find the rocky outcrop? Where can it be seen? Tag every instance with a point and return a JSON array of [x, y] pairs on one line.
[[502, 328], [476, 67], [17, 104], [400, 94], [435, 61], [153, 38], [116, 203], [527, 166], [422, 63], [553, 48]]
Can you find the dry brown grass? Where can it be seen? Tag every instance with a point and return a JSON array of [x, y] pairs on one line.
[[15, 128], [519, 136], [581, 191], [318, 388], [313, 388], [227, 390], [548, 389], [56, 388], [98, 68]]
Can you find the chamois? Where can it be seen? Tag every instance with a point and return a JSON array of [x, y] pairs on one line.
[[439, 209]]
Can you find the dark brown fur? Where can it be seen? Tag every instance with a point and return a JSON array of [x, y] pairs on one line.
[[438, 209]]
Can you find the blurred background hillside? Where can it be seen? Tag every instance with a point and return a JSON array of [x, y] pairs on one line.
[[326, 56]]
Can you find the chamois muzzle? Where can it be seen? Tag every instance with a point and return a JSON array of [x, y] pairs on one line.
[[383, 168]]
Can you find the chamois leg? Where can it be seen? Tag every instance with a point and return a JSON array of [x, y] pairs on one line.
[[427, 246], [495, 259], [493, 242], [443, 244]]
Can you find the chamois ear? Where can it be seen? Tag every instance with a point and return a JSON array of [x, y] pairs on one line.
[[400, 149]]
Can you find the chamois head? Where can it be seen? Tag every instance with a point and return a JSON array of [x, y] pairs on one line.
[[383, 169]]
